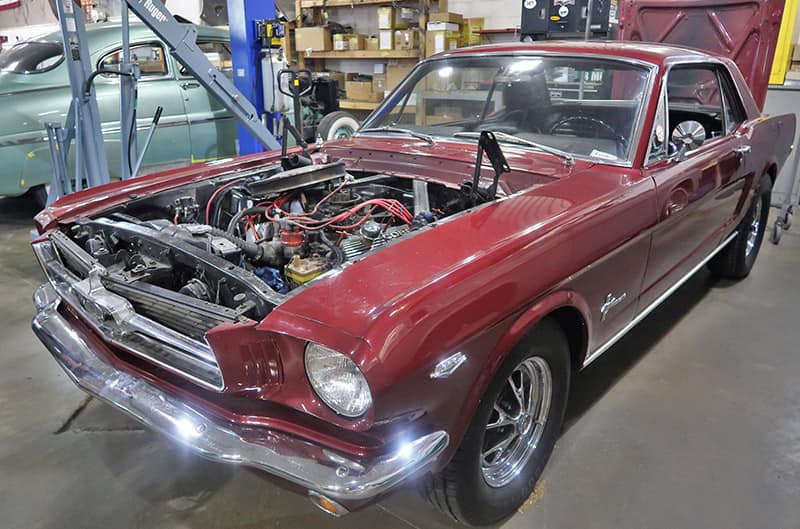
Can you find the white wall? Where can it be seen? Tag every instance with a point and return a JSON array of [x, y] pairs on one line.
[[30, 13], [498, 14]]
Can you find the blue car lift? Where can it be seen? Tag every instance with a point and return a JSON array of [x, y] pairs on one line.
[[83, 124]]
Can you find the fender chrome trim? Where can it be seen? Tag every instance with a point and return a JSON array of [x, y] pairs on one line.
[[658, 301]]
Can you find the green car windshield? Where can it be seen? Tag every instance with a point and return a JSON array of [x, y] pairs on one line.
[[586, 107], [31, 57]]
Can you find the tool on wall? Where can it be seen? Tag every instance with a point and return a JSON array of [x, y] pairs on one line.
[[559, 19]]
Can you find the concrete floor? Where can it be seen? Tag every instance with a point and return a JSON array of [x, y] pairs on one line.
[[693, 420]]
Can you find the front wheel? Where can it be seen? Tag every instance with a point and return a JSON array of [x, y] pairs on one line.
[[737, 259], [511, 435]]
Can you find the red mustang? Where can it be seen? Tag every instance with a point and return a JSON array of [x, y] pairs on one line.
[[413, 300]]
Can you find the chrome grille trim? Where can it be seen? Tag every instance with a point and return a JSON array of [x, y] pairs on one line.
[[115, 319]]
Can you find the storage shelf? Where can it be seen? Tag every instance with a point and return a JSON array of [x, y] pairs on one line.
[[364, 54], [350, 104]]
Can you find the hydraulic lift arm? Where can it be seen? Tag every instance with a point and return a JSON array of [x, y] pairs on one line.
[[182, 42]]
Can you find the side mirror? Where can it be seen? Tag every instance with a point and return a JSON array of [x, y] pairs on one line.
[[687, 136]]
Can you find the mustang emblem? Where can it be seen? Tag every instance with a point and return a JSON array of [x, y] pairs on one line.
[[610, 303]]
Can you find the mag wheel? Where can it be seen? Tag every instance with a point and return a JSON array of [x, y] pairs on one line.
[[739, 256], [511, 434]]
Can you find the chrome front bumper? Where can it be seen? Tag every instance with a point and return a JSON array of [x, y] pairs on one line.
[[315, 468]]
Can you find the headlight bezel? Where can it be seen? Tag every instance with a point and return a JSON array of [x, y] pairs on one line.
[[321, 382]]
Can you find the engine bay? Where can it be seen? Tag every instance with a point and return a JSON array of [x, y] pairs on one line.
[[243, 242]]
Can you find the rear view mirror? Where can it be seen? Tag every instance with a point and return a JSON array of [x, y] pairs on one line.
[[688, 136]]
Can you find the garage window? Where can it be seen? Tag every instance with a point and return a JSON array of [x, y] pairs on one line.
[[150, 58], [218, 54]]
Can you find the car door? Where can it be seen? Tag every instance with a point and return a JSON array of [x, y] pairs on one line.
[[156, 87], [212, 128], [696, 183]]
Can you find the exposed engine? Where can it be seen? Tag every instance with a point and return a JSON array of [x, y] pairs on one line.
[[244, 241]]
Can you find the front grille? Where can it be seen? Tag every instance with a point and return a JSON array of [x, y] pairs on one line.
[[147, 321]]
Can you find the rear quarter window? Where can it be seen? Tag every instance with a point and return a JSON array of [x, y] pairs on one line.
[[32, 57]]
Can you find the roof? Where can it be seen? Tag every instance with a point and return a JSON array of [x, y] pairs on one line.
[[105, 34], [651, 53]]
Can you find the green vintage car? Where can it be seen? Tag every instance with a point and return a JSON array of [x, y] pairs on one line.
[[34, 90]]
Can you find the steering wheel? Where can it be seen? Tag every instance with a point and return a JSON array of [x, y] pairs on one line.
[[598, 124]]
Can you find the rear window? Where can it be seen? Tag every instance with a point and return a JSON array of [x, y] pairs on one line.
[[32, 57]]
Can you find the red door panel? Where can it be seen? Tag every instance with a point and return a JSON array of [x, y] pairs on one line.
[[692, 209]]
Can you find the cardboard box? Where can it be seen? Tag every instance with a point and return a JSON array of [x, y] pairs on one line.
[[406, 39], [471, 31], [439, 41], [359, 88], [406, 17], [396, 71], [453, 18], [356, 42], [386, 17], [372, 43], [313, 38], [442, 26], [379, 83], [340, 42], [386, 39], [339, 77]]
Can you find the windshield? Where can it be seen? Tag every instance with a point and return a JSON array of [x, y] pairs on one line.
[[587, 107], [31, 57]]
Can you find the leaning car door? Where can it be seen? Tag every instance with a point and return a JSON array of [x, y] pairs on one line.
[[696, 163], [156, 88], [211, 126]]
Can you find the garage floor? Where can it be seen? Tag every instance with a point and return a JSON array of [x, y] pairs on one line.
[[693, 420]]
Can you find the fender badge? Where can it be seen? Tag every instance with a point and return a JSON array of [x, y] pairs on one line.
[[610, 303]]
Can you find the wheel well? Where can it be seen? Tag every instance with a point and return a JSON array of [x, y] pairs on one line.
[[573, 324], [772, 171]]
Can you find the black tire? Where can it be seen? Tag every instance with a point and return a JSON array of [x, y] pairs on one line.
[[339, 124], [462, 489], [736, 260], [39, 195]]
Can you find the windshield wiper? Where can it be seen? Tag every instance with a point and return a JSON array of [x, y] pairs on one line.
[[509, 138], [420, 136]]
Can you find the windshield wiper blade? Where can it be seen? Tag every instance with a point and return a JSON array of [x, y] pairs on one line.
[[398, 130], [509, 138]]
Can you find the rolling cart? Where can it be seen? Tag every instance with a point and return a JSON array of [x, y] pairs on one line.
[[784, 220]]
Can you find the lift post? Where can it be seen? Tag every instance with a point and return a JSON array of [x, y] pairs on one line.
[[246, 51]]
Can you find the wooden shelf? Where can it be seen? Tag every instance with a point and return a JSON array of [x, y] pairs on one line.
[[364, 54], [308, 4], [350, 104]]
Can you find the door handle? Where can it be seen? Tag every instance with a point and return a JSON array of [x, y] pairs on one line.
[[190, 84], [743, 149]]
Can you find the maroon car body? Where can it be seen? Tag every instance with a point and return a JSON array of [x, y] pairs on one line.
[[593, 246]]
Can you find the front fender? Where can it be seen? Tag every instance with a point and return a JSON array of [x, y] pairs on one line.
[[507, 334]]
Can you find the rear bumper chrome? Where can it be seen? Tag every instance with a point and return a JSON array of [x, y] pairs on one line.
[[305, 464]]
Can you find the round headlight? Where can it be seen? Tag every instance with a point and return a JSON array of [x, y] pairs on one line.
[[337, 380]]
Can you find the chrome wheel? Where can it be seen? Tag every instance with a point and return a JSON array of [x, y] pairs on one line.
[[517, 421], [755, 228]]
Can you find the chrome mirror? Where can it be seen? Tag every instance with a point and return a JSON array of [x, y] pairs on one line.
[[688, 136]]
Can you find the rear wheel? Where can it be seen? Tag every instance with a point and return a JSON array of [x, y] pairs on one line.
[[39, 195], [511, 435], [336, 125], [737, 259]]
